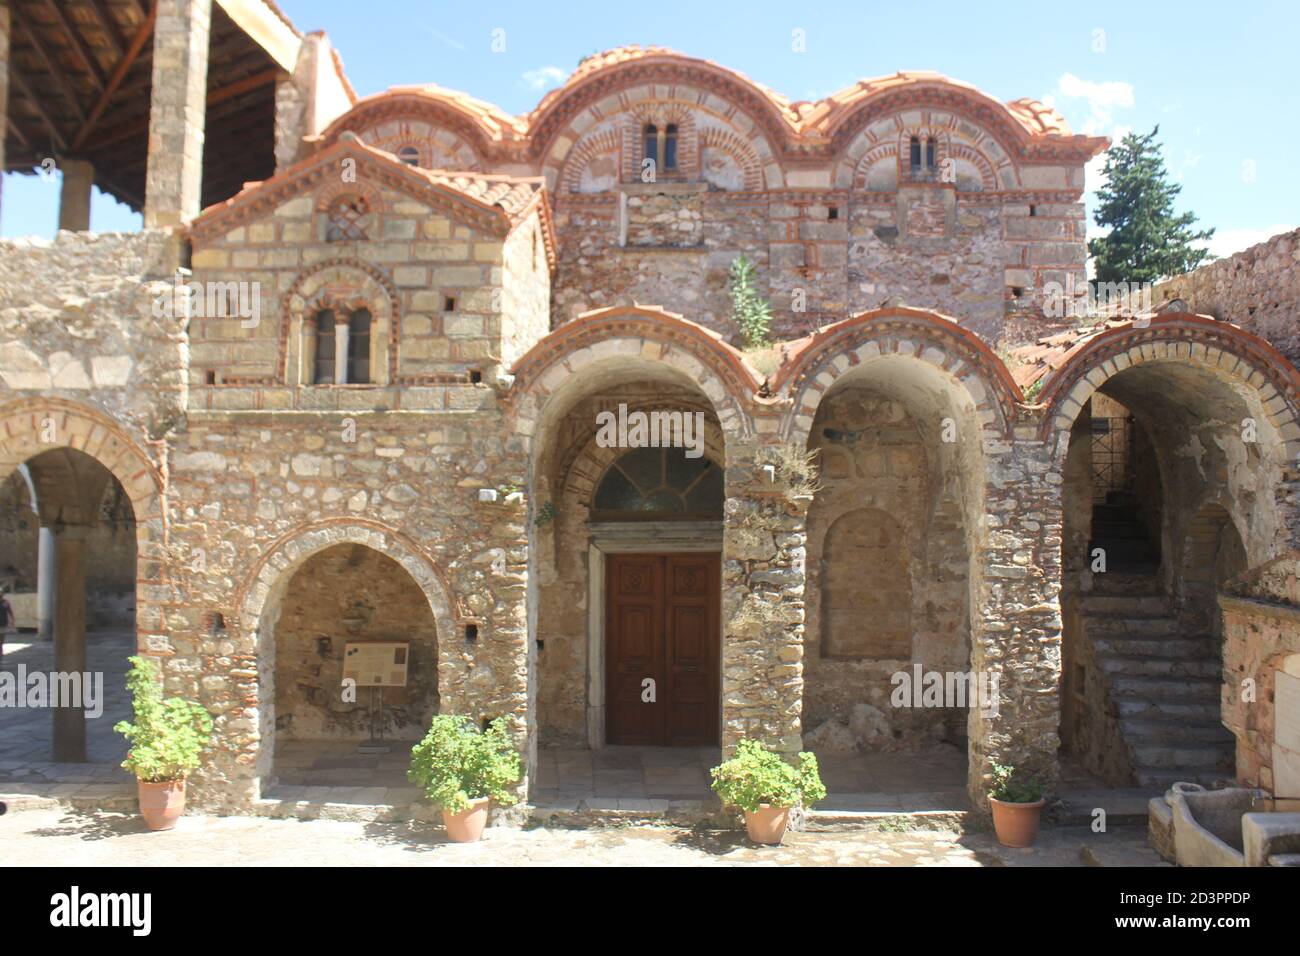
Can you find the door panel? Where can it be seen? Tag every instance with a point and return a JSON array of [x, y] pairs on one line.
[[662, 623]]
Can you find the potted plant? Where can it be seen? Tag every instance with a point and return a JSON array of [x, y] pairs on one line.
[[463, 769], [1016, 802], [762, 784], [167, 738]]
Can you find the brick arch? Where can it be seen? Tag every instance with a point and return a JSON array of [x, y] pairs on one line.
[[854, 174], [341, 283], [28, 423], [583, 475], [1223, 350], [926, 336], [683, 77], [738, 149], [478, 126], [603, 142], [635, 334], [287, 553]]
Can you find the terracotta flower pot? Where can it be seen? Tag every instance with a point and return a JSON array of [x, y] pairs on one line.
[[767, 824], [467, 826], [1016, 824], [161, 804]]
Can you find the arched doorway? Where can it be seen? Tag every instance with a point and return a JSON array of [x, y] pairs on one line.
[[350, 660], [1168, 492], [889, 595], [68, 566]]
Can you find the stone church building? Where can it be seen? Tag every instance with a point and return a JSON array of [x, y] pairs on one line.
[[345, 385]]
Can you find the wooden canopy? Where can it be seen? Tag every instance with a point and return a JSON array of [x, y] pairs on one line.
[[81, 75]]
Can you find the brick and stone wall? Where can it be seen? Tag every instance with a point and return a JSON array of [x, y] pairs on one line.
[[1257, 289], [1261, 634]]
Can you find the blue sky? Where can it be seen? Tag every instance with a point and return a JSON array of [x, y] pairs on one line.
[[1219, 80]]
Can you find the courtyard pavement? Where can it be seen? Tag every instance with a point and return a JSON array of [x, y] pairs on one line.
[[60, 837]]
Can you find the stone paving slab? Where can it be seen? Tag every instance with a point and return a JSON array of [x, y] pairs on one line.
[[62, 837]]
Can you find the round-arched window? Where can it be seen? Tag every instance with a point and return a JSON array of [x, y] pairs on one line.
[[661, 484]]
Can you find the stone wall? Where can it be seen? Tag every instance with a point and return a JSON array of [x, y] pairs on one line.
[[77, 321], [1261, 641], [1257, 289], [820, 255]]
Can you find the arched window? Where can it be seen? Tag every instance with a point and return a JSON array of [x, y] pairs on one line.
[[659, 484], [929, 154], [342, 348], [916, 154], [359, 347], [670, 147], [349, 217], [650, 143], [409, 155], [325, 342]]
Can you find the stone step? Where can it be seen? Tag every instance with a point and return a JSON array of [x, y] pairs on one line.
[[1134, 625], [1173, 646], [1202, 757], [1138, 706], [1193, 690], [1162, 780], [1173, 730], [1138, 605], [1136, 666]]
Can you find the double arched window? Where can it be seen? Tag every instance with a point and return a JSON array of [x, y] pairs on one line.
[[660, 145], [342, 347]]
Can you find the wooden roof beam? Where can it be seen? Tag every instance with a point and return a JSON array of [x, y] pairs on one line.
[[51, 62], [115, 80], [79, 42]]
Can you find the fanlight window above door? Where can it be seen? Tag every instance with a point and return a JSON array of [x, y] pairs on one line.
[[659, 484]]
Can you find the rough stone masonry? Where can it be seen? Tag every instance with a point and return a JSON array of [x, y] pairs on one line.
[[399, 441]]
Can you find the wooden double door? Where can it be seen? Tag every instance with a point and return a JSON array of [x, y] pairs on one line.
[[662, 649]]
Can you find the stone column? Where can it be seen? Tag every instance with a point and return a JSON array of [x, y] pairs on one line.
[[1017, 631], [74, 198], [4, 88], [70, 638], [46, 584], [341, 331], [763, 576], [177, 112]]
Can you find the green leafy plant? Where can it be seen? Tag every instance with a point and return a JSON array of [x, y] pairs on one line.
[[457, 763], [545, 515], [757, 776], [1010, 786], [751, 312], [167, 736]]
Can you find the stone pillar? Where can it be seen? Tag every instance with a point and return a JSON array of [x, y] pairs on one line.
[[1016, 634], [46, 584], [4, 88], [74, 198], [763, 576], [177, 112], [341, 331], [70, 639]]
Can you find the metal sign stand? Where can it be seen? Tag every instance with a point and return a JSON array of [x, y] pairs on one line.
[[376, 745]]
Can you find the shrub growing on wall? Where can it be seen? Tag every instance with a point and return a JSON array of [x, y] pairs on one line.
[[749, 310]]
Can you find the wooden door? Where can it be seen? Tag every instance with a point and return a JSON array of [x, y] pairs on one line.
[[661, 624]]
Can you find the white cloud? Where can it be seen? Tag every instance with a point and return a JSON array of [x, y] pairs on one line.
[[1102, 98], [544, 76], [1225, 242]]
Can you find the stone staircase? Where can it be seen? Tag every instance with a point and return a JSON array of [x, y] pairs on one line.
[[1164, 685]]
